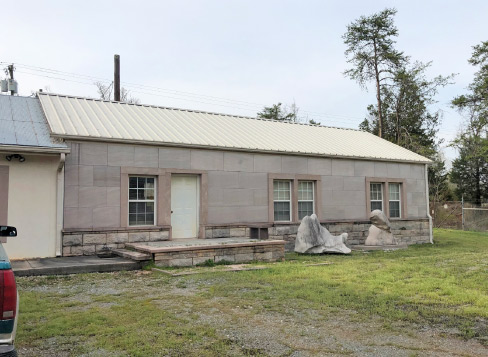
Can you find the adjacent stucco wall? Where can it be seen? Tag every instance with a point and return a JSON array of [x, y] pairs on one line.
[[32, 205], [237, 182]]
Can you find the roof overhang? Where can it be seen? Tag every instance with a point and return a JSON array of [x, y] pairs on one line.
[[34, 149], [223, 148]]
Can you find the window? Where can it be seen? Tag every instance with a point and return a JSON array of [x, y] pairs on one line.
[[376, 191], [282, 200], [305, 199], [142, 193], [394, 199]]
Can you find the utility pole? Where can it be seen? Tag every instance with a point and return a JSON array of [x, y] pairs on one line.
[[117, 78], [11, 73]]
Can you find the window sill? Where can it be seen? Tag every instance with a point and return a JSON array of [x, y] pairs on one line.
[[283, 223]]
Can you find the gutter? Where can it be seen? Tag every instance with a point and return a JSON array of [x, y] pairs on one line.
[[60, 205], [78, 138], [34, 149], [431, 237]]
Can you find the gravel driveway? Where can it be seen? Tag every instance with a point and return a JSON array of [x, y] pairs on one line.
[[249, 329]]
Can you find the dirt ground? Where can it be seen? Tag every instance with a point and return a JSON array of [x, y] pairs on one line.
[[250, 329]]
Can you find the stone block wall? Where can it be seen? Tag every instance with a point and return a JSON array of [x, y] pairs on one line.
[[226, 232], [237, 182], [406, 231], [236, 254], [91, 242]]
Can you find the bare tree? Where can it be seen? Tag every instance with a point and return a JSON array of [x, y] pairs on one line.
[[105, 92]]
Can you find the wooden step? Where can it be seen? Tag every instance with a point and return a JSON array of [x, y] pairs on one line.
[[132, 254]]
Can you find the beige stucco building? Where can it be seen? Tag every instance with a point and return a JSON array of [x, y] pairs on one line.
[[31, 179]]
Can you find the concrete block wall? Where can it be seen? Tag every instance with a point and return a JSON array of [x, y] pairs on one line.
[[406, 231]]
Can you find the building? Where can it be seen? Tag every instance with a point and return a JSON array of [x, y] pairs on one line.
[[31, 179], [147, 173]]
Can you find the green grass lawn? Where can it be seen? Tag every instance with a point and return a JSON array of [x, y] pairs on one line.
[[445, 284]]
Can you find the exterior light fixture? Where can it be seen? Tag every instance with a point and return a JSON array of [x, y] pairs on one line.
[[15, 156]]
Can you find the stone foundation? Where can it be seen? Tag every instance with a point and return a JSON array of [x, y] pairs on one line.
[[263, 251], [226, 232], [406, 231], [91, 242]]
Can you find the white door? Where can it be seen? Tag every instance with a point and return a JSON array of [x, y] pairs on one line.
[[184, 206]]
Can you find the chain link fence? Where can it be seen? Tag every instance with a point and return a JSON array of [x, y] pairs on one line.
[[460, 215]]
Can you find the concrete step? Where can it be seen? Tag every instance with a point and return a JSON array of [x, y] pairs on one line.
[[138, 256], [72, 265]]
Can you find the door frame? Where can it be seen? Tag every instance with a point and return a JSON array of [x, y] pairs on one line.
[[203, 197], [198, 179]]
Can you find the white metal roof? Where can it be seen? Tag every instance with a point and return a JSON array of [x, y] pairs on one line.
[[85, 118], [22, 124]]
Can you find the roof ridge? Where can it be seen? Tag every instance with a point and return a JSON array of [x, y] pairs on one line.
[[195, 111]]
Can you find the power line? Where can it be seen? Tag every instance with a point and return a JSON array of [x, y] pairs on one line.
[[250, 105], [180, 95], [203, 99]]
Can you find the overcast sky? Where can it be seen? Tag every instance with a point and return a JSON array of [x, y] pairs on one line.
[[232, 56]]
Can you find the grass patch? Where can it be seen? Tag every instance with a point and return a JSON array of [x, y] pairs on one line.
[[445, 284]]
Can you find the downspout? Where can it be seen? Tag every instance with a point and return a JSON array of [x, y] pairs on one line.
[[431, 237], [60, 205]]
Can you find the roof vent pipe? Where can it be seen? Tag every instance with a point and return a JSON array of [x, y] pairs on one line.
[[117, 78]]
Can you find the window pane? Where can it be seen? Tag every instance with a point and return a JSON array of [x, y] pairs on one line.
[[281, 190], [395, 209], [305, 209], [376, 205], [141, 182], [282, 211], [141, 207], [132, 219], [141, 219], [150, 182], [394, 191], [376, 191], [149, 207], [305, 190], [132, 182], [133, 194], [132, 207], [140, 194], [149, 194], [150, 218]]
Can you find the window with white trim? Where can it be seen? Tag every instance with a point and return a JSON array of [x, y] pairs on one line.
[[142, 202], [376, 196], [394, 200], [305, 198], [282, 200]]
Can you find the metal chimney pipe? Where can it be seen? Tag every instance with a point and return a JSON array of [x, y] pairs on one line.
[[117, 78]]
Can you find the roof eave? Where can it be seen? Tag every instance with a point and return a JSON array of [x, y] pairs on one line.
[[225, 148], [34, 149]]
